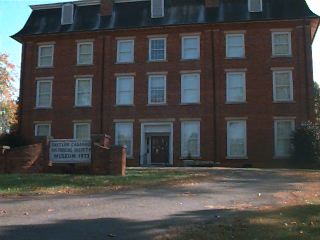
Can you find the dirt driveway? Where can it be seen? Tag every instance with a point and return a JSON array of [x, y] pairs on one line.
[[147, 213]]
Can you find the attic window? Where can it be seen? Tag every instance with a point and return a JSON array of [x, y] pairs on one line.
[[67, 14], [157, 8], [255, 5]]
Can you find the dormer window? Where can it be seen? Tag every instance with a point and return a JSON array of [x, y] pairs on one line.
[[255, 5], [67, 14], [157, 8]]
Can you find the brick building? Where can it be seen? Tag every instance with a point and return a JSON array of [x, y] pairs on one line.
[[174, 80]]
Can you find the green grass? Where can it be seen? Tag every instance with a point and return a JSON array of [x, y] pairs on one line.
[[291, 223], [27, 184]]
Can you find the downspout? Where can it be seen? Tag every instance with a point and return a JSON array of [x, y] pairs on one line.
[[102, 85], [214, 101], [20, 106]]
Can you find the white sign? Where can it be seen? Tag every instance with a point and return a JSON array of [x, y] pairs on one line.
[[70, 151]]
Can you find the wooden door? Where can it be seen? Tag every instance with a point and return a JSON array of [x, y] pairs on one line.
[[159, 149]]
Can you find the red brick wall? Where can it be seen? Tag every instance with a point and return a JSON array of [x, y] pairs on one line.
[[259, 108]]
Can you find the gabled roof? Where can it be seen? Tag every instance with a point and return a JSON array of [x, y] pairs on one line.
[[136, 14]]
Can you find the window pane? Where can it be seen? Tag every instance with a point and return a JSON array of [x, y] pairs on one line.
[[235, 45], [190, 88], [157, 89], [284, 129], [236, 138], [190, 139], [283, 86], [125, 51], [255, 5], [190, 48], [85, 53], [83, 93], [45, 54], [235, 87], [281, 43], [44, 94], [42, 130], [124, 136], [82, 131], [157, 8], [125, 90]]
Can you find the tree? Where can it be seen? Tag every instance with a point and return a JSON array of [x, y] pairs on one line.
[[316, 90], [8, 106]]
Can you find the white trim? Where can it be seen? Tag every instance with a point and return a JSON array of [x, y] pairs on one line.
[[131, 53], [190, 36], [161, 122], [40, 46], [165, 89], [165, 49], [38, 89], [198, 78], [245, 138], [44, 123], [284, 119], [152, 13], [123, 120], [127, 77], [229, 35], [76, 92], [291, 99], [75, 124], [78, 52], [249, 7], [243, 74], [116, 126], [198, 155], [274, 54]]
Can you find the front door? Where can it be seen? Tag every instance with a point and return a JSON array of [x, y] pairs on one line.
[[159, 150]]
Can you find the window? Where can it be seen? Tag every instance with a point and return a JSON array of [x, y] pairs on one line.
[[157, 89], [190, 47], [190, 139], [157, 8], [125, 51], [67, 14], [42, 130], [282, 86], [236, 87], [236, 138], [283, 130], [44, 94], [45, 56], [190, 88], [81, 131], [281, 44], [83, 92], [85, 53], [235, 46], [125, 90], [255, 5], [124, 136], [157, 49]]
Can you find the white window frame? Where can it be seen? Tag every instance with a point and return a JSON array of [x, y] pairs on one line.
[[289, 54], [165, 89], [62, 13], [228, 100], [117, 124], [229, 155], [75, 124], [198, 47], [275, 87], [38, 94], [152, 14], [183, 101], [276, 150], [118, 90], [78, 52], [250, 9], [119, 41], [198, 155], [165, 49], [242, 35], [36, 125], [76, 92], [40, 47]]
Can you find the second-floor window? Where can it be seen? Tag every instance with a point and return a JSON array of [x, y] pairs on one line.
[[125, 51], [85, 53], [282, 86], [236, 87], [125, 90], [235, 47], [83, 92], [281, 44], [157, 49], [157, 89], [45, 56], [190, 88], [44, 94], [190, 47]]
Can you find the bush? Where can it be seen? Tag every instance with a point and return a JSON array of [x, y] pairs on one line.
[[12, 140], [306, 145]]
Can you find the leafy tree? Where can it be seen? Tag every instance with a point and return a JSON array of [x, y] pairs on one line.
[[8, 106]]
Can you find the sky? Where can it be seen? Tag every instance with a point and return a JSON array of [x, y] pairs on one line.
[[14, 14]]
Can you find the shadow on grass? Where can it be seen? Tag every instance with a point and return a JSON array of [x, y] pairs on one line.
[[299, 222]]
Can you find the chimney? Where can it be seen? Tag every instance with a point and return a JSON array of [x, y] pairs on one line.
[[212, 3], [106, 7]]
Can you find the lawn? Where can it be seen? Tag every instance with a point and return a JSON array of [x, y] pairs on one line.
[[31, 184], [300, 222]]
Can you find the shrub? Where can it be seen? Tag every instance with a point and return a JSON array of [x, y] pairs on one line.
[[306, 145], [12, 140]]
